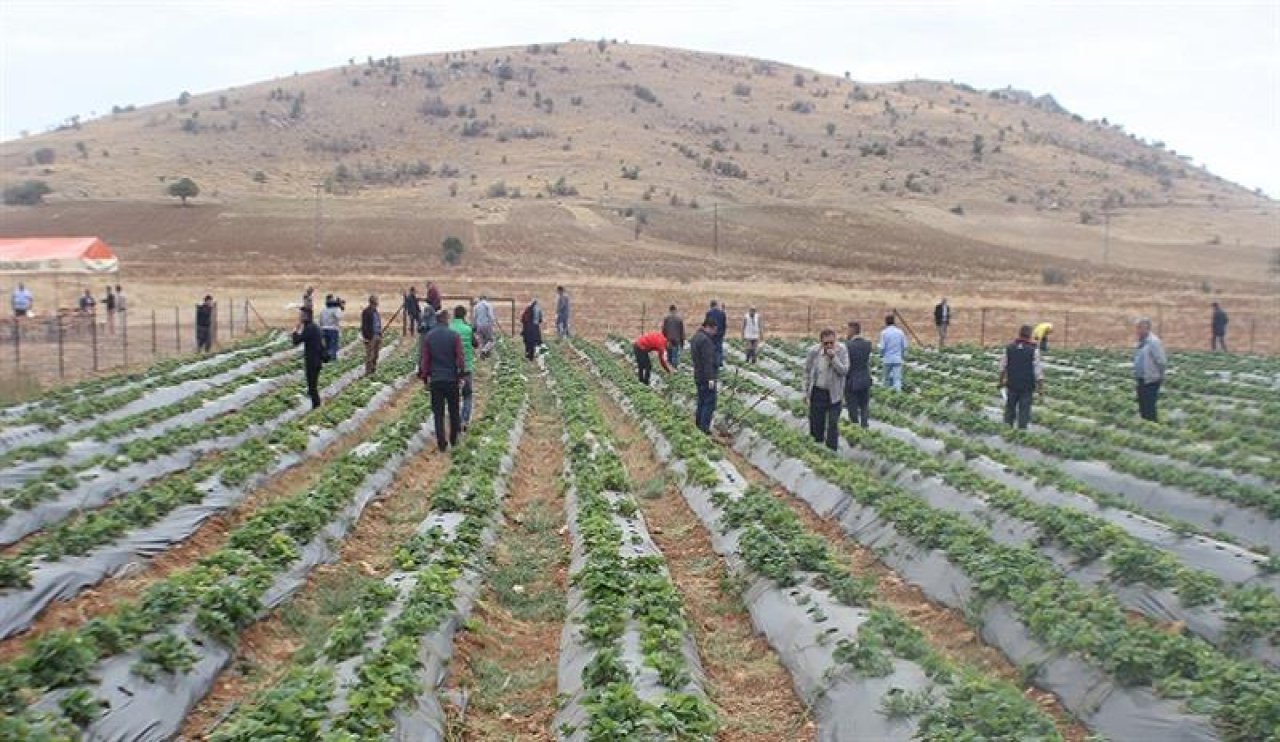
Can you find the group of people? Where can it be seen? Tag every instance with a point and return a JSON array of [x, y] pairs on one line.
[[531, 322], [22, 301]]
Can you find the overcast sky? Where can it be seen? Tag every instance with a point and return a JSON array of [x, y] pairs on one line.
[[1202, 77]]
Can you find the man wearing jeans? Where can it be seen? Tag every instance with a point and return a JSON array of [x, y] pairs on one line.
[[460, 326], [441, 369], [673, 330], [1149, 364], [1021, 378], [705, 372], [893, 351], [825, 368]]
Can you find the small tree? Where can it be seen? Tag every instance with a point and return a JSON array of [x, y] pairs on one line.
[[979, 144], [45, 156], [831, 128], [184, 98], [184, 189], [27, 193], [451, 250]]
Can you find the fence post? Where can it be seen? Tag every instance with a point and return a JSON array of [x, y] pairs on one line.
[[61, 370], [177, 332], [124, 344], [1066, 330], [808, 321], [1159, 319], [153, 334], [231, 319], [246, 316], [17, 343], [93, 334], [644, 316], [1253, 323], [982, 333]]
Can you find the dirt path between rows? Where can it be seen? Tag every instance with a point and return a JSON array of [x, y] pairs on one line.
[[507, 659], [748, 685], [269, 647], [212, 534]]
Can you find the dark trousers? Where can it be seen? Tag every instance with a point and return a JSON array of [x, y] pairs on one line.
[[1148, 395], [644, 366], [313, 383], [824, 418], [753, 349], [720, 353], [445, 394], [1218, 341], [467, 392], [204, 338], [859, 406], [330, 343], [1017, 408], [532, 339], [706, 406], [673, 355]]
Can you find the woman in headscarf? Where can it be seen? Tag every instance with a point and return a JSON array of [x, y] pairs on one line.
[[531, 328]]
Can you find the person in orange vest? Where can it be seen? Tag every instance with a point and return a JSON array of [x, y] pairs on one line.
[[650, 342]]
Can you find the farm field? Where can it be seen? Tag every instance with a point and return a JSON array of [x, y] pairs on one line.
[[189, 552]]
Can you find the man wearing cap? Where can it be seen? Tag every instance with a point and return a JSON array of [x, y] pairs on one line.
[[371, 331], [204, 325]]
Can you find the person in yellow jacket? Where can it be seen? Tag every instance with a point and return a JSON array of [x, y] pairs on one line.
[[1041, 335]]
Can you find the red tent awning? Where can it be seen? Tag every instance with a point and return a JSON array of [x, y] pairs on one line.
[[28, 255]]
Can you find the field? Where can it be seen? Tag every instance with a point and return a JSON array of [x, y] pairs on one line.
[[188, 552]]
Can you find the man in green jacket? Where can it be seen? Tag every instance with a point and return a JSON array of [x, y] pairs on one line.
[[460, 326]]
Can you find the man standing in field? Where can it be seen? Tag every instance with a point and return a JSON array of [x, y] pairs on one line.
[[1041, 336], [22, 301], [330, 322], [1021, 378], [942, 320], [705, 373], [441, 368], [650, 342], [531, 328], [562, 312], [371, 331], [204, 325], [109, 303], [484, 320], [307, 335], [893, 352], [1149, 364], [752, 333], [1218, 325], [460, 326], [412, 311], [673, 331], [716, 316], [825, 368], [857, 384], [122, 306], [434, 304], [87, 304]]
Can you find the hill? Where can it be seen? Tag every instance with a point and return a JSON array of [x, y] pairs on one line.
[[573, 150]]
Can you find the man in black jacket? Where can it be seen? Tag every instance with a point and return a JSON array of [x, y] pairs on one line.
[[307, 334], [942, 320], [705, 371], [857, 384], [673, 331], [1219, 327], [371, 331], [204, 325], [442, 368], [412, 311], [1021, 377]]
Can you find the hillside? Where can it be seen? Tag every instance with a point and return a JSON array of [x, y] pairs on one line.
[[804, 167]]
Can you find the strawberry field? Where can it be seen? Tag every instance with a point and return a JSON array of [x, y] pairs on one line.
[[190, 552]]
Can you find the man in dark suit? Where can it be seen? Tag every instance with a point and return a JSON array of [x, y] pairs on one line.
[[858, 382], [307, 334], [942, 320], [717, 317]]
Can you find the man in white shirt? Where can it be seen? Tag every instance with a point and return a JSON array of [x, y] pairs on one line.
[[893, 352], [752, 333]]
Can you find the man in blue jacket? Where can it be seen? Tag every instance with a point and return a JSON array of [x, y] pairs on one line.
[[893, 352], [717, 317]]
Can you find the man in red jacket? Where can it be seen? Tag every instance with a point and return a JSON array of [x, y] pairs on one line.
[[650, 342]]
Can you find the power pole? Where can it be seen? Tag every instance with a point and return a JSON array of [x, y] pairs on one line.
[[1106, 236], [715, 229], [318, 187]]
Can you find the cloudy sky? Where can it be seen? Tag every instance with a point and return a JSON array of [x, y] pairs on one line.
[[1204, 77]]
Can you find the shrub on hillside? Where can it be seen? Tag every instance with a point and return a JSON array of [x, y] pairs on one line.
[[45, 156], [631, 172], [742, 90], [497, 189], [434, 107], [184, 189], [644, 94], [1055, 277], [800, 106], [729, 169], [27, 193], [451, 250], [561, 188]]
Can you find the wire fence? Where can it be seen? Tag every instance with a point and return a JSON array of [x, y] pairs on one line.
[[1180, 329], [70, 345]]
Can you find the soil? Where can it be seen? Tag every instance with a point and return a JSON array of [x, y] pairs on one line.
[[507, 659]]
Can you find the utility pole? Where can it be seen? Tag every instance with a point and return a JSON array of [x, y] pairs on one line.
[[715, 229], [318, 187], [1106, 236]]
